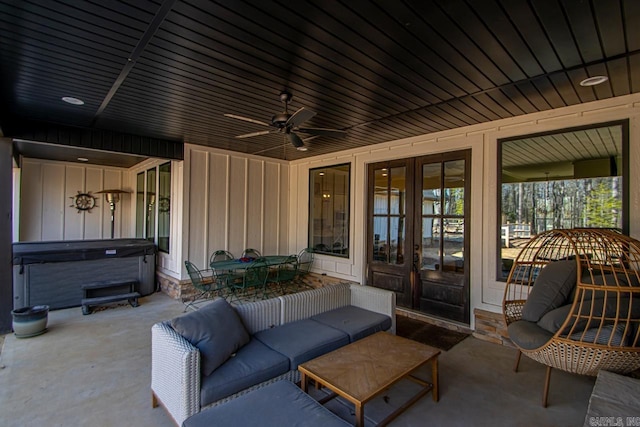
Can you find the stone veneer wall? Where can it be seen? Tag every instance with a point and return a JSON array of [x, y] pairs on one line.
[[491, 327], [172, 286], [182, 289]]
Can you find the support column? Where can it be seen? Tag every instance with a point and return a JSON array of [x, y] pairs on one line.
[[6, 204]]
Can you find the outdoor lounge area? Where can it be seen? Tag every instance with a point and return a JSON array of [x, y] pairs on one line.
[[206, 198], [95, 370]]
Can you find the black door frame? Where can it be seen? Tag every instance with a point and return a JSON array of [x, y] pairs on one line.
[[442, 158], [393, 277], [403, 279]]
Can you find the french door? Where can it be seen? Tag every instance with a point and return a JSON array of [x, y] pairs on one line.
[[418, 229]]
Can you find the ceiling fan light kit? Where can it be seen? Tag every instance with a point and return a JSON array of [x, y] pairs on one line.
[[289, 124]]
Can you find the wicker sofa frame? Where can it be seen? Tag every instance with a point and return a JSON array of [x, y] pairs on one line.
[[175, 363], [608, 269]]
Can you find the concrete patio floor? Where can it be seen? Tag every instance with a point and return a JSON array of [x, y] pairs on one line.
[[95, 371]]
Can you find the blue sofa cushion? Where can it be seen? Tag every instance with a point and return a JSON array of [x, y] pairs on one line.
[[217, 331], [252, 364], [354, 321], [279, 404], [302, 340]]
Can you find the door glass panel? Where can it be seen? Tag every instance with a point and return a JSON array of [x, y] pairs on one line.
[[430, 243], [398, 190], [431, 189], [140, 209], [453, 257], [381, 192], [454, 188], [380, 238], [396, 240]]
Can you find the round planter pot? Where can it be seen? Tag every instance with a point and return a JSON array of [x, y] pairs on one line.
[[30, 321]]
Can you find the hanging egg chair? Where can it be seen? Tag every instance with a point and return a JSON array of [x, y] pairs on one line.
[[572, 302]]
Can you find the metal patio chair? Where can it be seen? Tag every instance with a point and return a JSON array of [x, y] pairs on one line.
[[253, 282], [204, 285], [283, 275], [251, 253]]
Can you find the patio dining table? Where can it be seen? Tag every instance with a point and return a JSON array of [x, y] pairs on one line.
[[238, 264], [234, 271]]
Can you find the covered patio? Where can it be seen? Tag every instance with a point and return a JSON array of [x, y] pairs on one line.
[[214, 122]]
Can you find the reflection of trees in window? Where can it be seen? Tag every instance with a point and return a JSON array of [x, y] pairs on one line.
[[542, 206], [568, 179], [603, 205]]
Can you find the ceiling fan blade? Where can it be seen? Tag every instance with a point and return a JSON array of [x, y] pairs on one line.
[[299, 117], [310, 138], [294, 139], [333, 133], [247, 119], [249, 135]]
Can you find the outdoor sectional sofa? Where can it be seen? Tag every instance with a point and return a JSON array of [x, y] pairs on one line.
[[213, 360]]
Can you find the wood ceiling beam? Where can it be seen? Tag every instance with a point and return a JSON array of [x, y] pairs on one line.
[[160, 16]]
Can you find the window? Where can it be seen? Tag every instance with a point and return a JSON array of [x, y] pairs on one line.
[[329, 210], [153, 205], [164, 206], [566, 179]]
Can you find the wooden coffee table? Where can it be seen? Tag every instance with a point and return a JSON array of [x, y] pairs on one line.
[[362, 370]]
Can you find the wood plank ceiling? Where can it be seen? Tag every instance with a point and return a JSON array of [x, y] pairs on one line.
[[380, 70]]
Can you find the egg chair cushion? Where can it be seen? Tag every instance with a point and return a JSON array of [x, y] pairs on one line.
[[591, 314], [552, 320], [606, 335], [550, 290], [527, 335]]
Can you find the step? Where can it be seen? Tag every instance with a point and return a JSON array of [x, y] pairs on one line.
[[109, 284], [87, 302]]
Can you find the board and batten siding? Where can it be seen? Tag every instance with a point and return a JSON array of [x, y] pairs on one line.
[[233, 202], [46, 197]]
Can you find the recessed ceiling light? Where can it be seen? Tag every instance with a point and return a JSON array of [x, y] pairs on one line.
[[83, 159], [303, 148], [595, 80], [72, 100]]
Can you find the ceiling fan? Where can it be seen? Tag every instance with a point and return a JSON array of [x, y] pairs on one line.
[[289, 125]]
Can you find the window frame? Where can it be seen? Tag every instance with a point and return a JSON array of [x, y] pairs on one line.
[[346, 212], [624, 127], [146, 202]]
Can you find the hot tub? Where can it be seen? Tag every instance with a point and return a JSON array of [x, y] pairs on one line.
[[53, 273]]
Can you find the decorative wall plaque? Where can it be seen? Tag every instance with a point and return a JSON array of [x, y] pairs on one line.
[[83, 201]]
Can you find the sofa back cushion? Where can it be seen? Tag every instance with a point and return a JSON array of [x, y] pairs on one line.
[[216, 330], [303, 305], [260, 315], [550, 290]]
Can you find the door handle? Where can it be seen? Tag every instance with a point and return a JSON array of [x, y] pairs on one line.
[[416, 258]]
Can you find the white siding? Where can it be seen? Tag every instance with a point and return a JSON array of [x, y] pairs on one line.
[[47, 189], [233, 202]]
